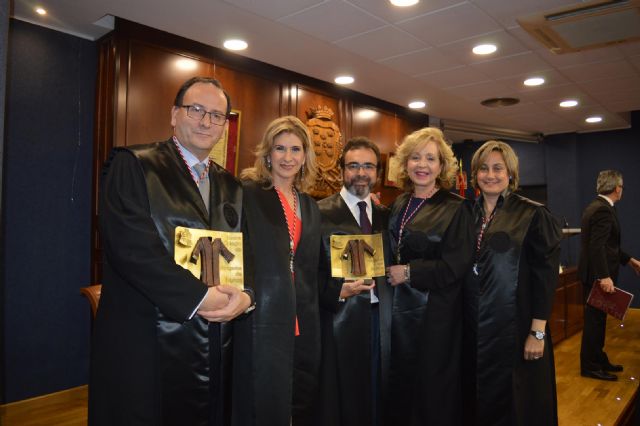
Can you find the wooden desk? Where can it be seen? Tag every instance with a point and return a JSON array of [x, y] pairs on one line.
[[567, 317]]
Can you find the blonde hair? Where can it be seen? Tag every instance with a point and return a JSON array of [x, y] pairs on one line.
[[510, 161], [416, 141], [261, 173]]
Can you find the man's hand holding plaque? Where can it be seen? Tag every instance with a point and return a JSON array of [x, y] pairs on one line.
[[357, 257], [215, 257]]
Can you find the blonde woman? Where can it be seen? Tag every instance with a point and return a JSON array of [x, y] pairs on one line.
[[282, 242], [431, 237], [509, 374]]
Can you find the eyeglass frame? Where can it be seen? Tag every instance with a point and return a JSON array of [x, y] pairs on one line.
[[204, 113], [355, 167]]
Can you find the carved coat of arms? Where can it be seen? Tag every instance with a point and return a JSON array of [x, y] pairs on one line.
[[327, 144]]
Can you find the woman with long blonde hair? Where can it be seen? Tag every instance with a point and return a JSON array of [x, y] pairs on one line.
[[282, 243]]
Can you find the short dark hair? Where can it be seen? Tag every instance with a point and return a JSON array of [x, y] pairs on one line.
[[194, 80], [361, 142]]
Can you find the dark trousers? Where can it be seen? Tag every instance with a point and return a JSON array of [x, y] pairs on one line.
[[375, 361], [592, 355]]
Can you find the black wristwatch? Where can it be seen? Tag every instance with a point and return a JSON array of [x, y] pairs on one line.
[[539, 335]]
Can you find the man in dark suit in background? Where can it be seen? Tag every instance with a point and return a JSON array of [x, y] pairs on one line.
[[600, 257], [355, 315]]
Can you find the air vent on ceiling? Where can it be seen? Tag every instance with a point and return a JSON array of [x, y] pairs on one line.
[[587, 25]]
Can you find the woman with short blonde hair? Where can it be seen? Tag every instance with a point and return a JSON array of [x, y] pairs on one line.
[[418, 139], [431, 233]]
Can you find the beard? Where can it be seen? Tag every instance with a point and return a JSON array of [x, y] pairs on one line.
[[355, 186]]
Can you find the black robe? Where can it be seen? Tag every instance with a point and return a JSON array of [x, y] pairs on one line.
[[426, 330], [276, 372], [518, 274], [346, 391], [150, 363]]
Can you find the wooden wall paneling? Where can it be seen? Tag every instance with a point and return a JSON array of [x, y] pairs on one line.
[[259, 101], [382, 128], [557, 321], [155, 75], [575, 308], [103, 137]]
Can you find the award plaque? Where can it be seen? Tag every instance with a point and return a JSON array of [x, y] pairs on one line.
[[357, 257], [214, 257]]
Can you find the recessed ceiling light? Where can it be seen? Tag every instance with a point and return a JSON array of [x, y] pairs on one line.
[[344, 79], [41, 11], [404, 3], [569, 103], [235, 44], [485, 49], [417, 104], [594, 119], [534, 81]]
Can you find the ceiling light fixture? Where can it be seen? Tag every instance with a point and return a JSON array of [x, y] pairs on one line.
[[404, 3], [417, 104], [484, 49], [499, 102], [344, 79], [41, 11], [594, 119], [534, 81], [569, 103], [235, 44]]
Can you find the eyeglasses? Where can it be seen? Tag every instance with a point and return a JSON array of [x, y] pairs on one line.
[[367, 167], [197, 113]]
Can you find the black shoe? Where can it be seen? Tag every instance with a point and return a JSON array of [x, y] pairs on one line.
[[612, 368], [599, 374]]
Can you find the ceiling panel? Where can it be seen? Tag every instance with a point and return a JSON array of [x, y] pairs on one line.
[[596, 71], [482, 91], [421, 62], [274, 9], [332, 21], [381, 43], [462, 50], [460, 76], [449, 25], [515, 65]]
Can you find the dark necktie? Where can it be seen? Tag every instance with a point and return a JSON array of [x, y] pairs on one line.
[[365, 223], [203, 183]]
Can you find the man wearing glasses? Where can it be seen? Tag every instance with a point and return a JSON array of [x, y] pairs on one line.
[[157, 351], [355, 315], [600, 258]]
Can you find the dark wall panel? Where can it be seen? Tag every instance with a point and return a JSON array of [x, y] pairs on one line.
[[50, 98], [615, 150]]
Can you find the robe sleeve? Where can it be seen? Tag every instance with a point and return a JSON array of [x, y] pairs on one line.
[[456, 255], [133, 247], [329, 288], [542, 247]]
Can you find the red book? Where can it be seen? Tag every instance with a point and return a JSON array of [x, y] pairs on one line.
[[615, 304]]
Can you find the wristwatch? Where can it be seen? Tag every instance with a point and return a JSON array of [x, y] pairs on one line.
[[539, 335]]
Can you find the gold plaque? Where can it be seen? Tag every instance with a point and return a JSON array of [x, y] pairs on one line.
[[228, 264], [357, 256]]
